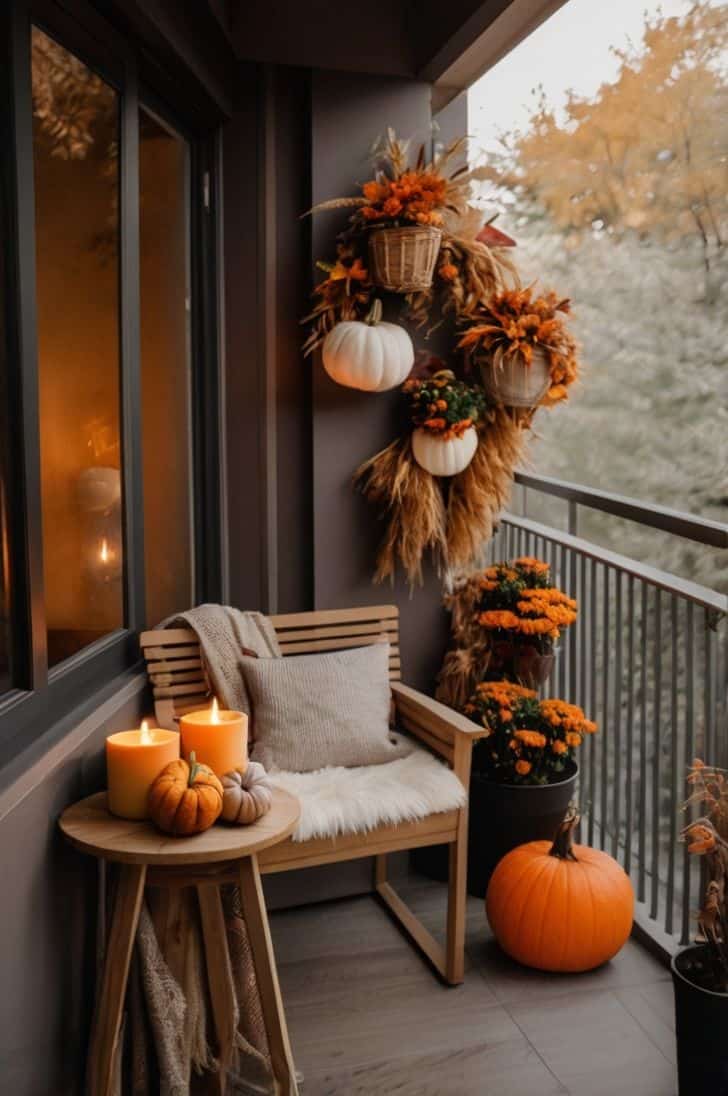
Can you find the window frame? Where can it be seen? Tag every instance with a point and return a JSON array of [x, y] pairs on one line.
[[38, 698]]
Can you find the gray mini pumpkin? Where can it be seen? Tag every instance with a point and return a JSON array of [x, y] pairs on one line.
[[246, 795]]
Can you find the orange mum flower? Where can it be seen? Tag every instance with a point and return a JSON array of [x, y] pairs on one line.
[[531, 738], [523, 768], [498, 618], [558, 746]]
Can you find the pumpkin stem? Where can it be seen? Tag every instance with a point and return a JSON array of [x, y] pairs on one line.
[[563, 846], [194, 768], [374, 315]]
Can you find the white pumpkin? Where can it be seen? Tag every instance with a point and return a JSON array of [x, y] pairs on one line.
[[444, 456], [369, 355]]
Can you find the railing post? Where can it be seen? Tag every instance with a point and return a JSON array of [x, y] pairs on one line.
[[573, 518]]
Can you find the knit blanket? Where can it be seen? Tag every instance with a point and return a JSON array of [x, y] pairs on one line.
[[168, 1024], [227, 636]]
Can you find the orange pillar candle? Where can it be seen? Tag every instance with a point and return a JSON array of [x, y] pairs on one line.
[[218, 737], [134, 759]]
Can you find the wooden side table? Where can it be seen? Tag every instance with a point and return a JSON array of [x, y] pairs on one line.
[[222, 854]]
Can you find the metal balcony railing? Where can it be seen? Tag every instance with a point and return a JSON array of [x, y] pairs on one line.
[[648, 659]]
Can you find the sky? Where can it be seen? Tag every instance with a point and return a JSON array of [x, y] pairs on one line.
[[569, 51]]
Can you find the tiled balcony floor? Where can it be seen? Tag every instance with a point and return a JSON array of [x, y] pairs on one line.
[[366, 1016]]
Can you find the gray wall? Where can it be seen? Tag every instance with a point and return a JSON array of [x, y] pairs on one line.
[[48, 902], [299, 537]]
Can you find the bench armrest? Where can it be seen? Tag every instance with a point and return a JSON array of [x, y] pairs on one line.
[[445, 731], [432, 716]]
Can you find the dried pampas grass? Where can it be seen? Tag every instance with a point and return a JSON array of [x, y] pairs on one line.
[[461, 670], [481, 491], [412, 502]]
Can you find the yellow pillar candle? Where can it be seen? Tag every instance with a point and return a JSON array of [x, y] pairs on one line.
[[134, 759], [218, 737]]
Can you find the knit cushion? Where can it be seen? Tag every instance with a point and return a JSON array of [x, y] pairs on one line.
[[311, 711]]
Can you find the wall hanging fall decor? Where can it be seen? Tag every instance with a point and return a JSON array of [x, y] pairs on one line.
[[441, 485]]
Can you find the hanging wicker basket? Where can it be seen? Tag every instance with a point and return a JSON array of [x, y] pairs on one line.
[[513, 382], [402, 260]]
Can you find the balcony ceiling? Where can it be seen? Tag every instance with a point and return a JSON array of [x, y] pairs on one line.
[[448, 45]]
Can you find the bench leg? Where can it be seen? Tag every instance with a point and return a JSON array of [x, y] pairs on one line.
[[456, 904]]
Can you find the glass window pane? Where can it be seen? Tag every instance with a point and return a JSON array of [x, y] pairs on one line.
[[165, 346], [76, 142], [5, 649]]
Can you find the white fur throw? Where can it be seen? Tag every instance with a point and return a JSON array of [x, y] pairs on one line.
[[337, 800]]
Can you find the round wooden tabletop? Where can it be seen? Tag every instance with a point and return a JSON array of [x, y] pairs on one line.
[[90, 826]]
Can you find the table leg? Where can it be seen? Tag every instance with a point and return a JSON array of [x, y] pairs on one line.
[[256, 921], [110, 1002], [219, 976]]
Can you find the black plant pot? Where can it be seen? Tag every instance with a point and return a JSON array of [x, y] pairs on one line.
[[502, 816], [701, 1023]]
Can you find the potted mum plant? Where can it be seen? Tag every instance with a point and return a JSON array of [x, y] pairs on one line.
[[506, 622], [526, 354], [523, 616], [444, 411], [403, 208], [524, 771], [700, 971]]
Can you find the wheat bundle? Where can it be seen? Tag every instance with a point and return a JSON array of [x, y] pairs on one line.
[[479, 493], [462, 668], [412, 501]]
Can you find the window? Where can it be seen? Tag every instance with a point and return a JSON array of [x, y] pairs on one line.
[[5, 623], [108, 360], [76, 156], [165, 359]]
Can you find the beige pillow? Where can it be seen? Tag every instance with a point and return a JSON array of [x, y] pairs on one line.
[[312, 711]]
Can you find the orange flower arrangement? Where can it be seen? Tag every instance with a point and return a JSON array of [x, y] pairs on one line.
[[416, 197], [707, 836], [517, 599], [344, 294], [527, 741], [402, 193], [516, 322], [443, 405]]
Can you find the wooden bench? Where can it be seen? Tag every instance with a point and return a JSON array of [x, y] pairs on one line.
[[179, 685]]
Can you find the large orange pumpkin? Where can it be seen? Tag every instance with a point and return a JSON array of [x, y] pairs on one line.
[[560, 907], [185, 798]]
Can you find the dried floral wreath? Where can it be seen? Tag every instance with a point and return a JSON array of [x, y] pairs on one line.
[[447, 502]]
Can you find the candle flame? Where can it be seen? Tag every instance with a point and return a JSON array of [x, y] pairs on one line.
[[104, 553], [145, 736], [214, 713]]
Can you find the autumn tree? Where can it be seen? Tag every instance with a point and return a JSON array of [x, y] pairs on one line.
[[648, 154]]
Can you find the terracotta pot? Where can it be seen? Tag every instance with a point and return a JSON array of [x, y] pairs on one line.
[[531, 668], [509, 380], [701, 1024]]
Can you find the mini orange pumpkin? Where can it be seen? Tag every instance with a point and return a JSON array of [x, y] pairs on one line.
[[185, 798], [560, 907]]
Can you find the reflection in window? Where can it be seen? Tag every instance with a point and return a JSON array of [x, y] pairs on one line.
[[75, 139], [165, 347]]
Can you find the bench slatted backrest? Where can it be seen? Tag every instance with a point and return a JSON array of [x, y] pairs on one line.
[[177, 674]]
